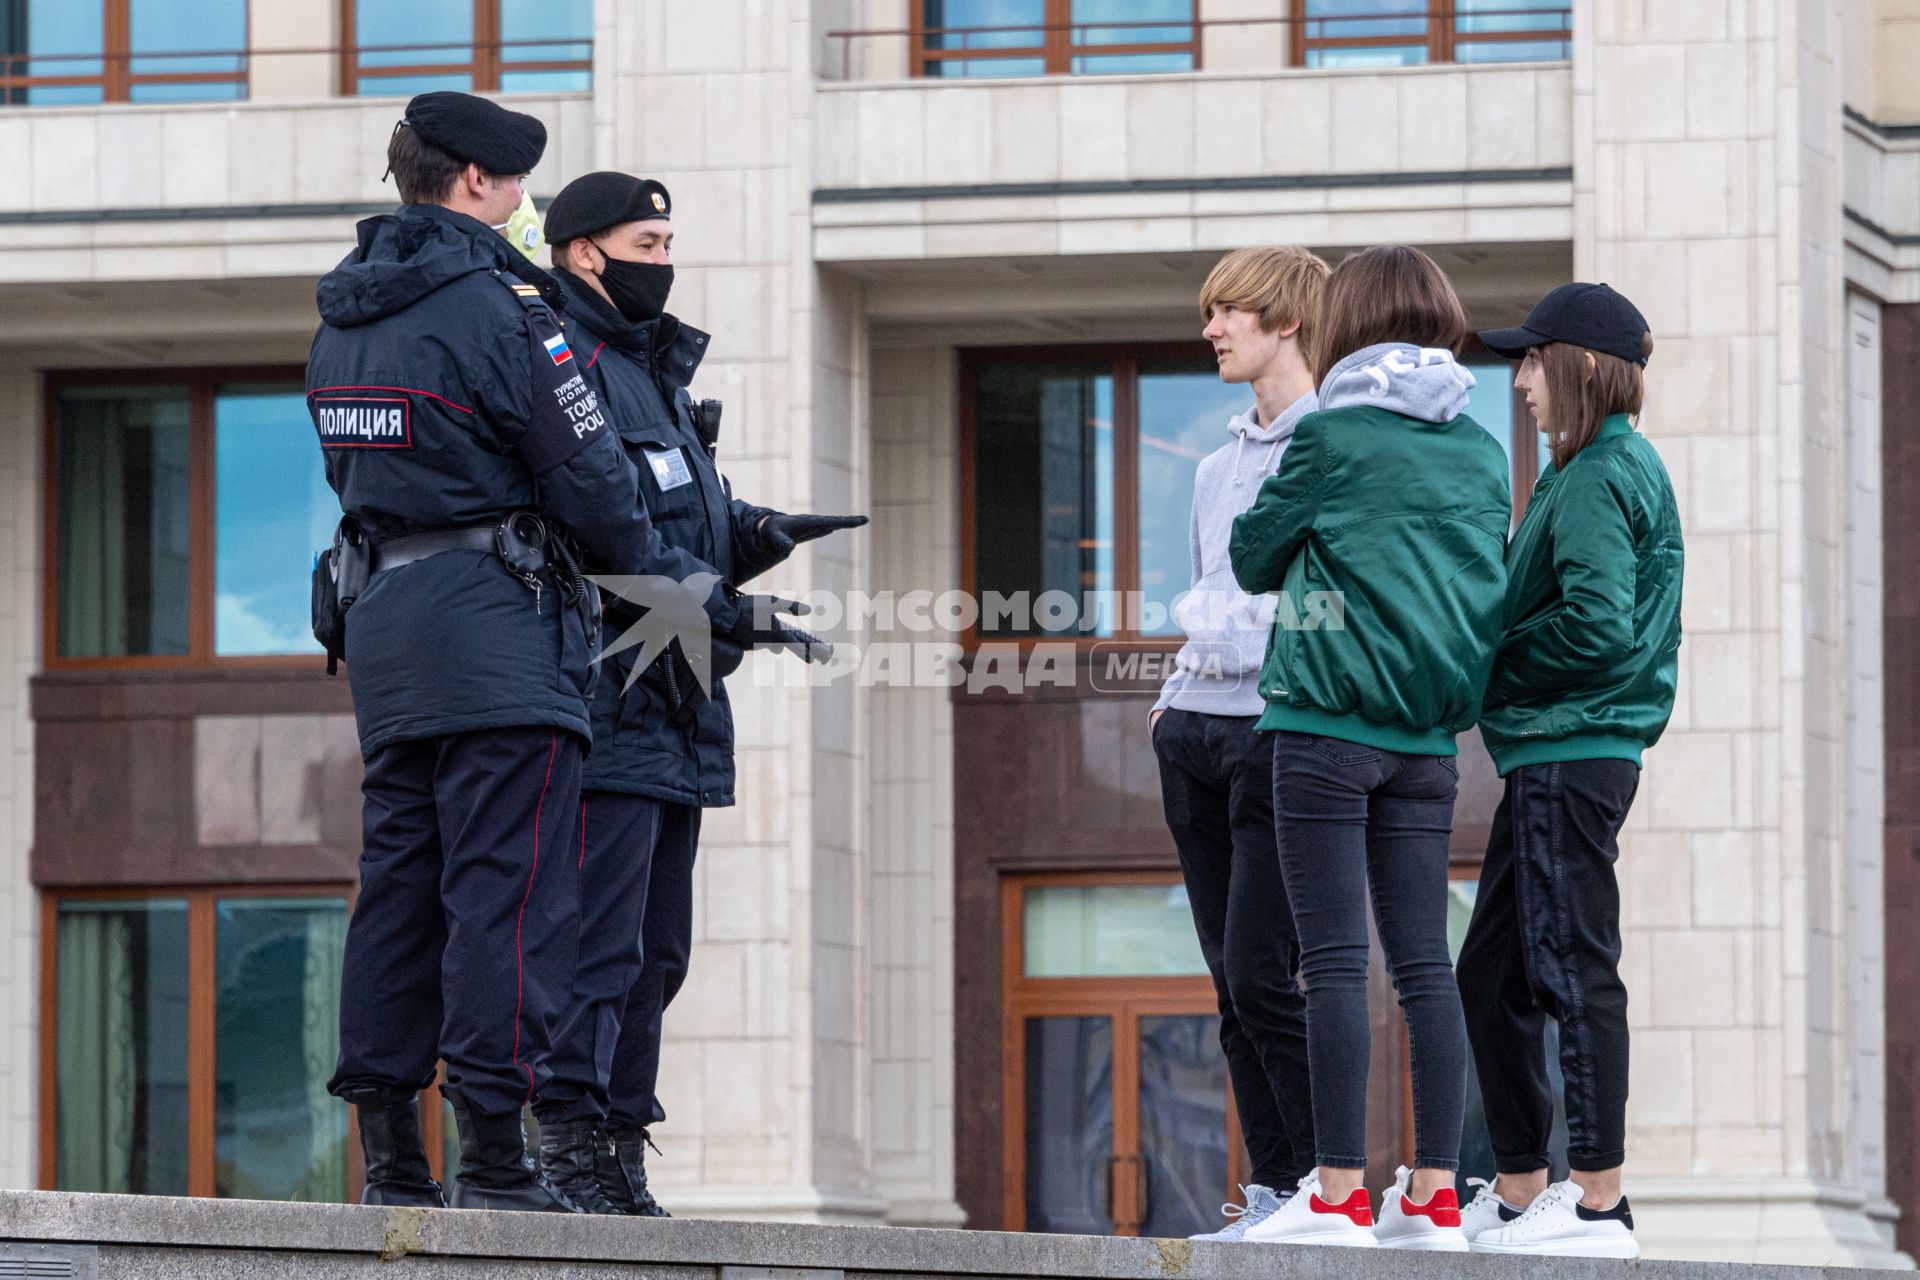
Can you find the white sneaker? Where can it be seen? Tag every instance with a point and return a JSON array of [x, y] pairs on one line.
[[1485, 1211], [1433, 1227], [1261, 1204], [1557, 1224], [1307, 1219]]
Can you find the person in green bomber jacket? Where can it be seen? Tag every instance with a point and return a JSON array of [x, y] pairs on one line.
[[1582, 683], [1383, 533]]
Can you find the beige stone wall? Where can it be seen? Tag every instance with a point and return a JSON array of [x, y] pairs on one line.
[[1707, 188], [210, 154], [765, 1071], [19, 659], [1105, 128], [278, 28], [916, 526], [1242, 36]]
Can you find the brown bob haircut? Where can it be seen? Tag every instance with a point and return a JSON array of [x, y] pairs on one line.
[[1281, 284], [1389, 293], [1584, 389]]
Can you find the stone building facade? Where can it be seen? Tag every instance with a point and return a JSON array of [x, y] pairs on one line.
[[881, 246]]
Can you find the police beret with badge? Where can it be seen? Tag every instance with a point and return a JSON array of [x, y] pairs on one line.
[[595, 201], [478, 131]]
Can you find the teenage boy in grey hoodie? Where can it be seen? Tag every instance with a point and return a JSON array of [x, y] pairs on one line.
[[1216, 772]]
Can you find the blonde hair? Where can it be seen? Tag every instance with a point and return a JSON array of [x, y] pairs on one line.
[[1584, 395], [1281, 284], [1389, 293]]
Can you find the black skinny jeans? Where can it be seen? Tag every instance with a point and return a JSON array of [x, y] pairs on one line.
[[1545, 943], [1353, 819], [1216, 780]]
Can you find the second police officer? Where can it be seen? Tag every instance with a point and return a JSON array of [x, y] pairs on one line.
[[467, 451], [663, 748]]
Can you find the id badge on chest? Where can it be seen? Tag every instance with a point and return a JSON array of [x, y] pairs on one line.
[[669, 468]]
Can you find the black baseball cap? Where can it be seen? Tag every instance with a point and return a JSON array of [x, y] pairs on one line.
[[1583, 315]]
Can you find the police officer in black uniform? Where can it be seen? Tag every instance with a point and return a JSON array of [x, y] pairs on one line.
[[663, 749], [472, 460]]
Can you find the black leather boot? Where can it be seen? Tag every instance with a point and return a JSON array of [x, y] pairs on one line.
[[623, 1175], [397, 1172], [568, 1159], [495, 1172]]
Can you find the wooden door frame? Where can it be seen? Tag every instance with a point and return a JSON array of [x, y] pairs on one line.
[[1125, 1000]]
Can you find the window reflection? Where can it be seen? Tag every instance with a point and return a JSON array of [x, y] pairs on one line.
[[213, 32], [1069, 1124], [123, 515], [273, 509], [278, 1134], [1043, 441], [52, 38], [1184, 414], [121, 1045]]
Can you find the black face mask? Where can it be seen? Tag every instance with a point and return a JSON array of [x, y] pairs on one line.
[[639, 289]]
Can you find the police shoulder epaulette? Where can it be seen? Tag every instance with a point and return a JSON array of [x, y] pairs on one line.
[[528, 295]]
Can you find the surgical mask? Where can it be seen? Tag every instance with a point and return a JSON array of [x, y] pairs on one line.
[[639, 289], [522, 230]]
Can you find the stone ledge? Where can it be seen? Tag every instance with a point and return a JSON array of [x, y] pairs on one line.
[[150, 1236]]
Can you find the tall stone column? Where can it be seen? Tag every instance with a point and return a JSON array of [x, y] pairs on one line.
[[764, 1076], [1707, 189]]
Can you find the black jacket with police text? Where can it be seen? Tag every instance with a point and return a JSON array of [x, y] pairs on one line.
[[640, 371], [444, 395]]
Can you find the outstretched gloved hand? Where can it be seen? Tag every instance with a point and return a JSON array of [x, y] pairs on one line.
[[760, 627], [784, 532]]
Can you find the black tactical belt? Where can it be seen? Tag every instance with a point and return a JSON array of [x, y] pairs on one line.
[[418, 546]]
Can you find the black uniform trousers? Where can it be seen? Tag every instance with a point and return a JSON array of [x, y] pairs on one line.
[[1545, 943], [1216, 781], [463, 939], [637, 866]]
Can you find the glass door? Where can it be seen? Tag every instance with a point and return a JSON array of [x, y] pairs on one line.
[[1118, 1112]]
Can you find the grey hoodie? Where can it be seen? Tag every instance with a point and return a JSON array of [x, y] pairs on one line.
[[1218, 668], [1420, 382]]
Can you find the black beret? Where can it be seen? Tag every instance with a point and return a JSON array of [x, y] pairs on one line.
[[478, 131], [595, 201]]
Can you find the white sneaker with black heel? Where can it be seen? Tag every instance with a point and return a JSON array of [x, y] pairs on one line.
[[1556, 1224], [1486, 1211], [1261, 1204]]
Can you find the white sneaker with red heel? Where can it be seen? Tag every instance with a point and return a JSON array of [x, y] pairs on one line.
[[1433, 1227], [1307, 1219]]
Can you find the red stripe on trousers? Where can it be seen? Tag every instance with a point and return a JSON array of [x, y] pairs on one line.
[[519, 955]]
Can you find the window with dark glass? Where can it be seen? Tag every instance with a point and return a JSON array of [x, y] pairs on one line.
[[1403, 33], [77, 51], [1081, 479], [986, 38], [186, 518], [484, 46], [194, 1035]]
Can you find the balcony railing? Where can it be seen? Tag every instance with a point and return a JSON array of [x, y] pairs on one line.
[[1383, 39]]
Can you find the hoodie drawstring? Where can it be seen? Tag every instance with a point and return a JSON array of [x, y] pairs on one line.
[[1266, 463]]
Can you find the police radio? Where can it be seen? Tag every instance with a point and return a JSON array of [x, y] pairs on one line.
[[705, 417]]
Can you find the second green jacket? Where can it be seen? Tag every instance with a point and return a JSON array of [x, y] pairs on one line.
[[1395, 527], [1588, 666]]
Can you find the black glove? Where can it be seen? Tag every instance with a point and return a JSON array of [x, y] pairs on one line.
[[782, 532], [759, 628]]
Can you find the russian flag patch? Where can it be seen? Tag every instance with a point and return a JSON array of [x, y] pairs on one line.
[[557, 348]]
